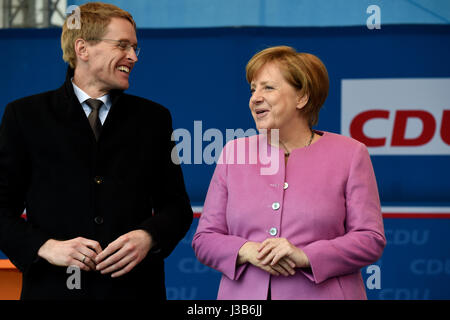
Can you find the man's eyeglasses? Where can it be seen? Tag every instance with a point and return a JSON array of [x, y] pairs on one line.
[[122, 44]]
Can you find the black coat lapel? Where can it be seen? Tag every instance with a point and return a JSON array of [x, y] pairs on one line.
[[75, 118]]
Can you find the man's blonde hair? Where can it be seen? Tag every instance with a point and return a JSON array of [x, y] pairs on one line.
[[94, 19]]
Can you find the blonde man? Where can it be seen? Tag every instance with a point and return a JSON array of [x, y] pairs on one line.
[[91, 166]]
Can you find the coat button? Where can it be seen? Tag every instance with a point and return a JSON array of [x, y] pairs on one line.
[[98, 180], [273, 231], [98, 220], [275, 205], [286, 185]]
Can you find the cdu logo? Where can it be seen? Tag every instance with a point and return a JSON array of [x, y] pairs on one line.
[[398, 116]]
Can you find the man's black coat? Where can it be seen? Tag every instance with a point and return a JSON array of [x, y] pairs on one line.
[[71, 186]]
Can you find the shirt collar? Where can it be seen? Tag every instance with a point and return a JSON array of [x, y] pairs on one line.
[[83, 96]]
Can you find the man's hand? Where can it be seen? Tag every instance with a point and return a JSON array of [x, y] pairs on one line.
[[123, 254], [80, 252]]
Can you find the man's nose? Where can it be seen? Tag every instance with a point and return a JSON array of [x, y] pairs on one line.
[[131, 55]]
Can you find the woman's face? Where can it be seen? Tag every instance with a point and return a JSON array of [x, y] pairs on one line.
[[274, 103]]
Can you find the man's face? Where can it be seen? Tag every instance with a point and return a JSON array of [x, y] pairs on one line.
[[109, 65]]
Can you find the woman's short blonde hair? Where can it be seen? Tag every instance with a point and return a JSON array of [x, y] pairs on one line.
[[94, 18], [303, 71]]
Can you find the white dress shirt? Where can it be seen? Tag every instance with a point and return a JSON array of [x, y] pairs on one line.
[[83, 96]]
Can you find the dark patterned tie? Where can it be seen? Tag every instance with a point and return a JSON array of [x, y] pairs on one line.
[[93, 118]]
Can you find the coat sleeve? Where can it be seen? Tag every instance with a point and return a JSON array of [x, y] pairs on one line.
[[173, 214], [364, 239], [212, 243], [19, 239]]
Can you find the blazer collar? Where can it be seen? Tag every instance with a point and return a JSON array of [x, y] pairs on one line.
[[71, 107], [114, 94]]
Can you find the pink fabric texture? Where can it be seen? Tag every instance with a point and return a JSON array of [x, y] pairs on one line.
[[330, 209]]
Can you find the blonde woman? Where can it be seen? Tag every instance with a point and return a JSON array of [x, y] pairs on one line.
[[307, 230]]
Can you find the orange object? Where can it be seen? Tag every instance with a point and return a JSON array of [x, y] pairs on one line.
[[10, 281]]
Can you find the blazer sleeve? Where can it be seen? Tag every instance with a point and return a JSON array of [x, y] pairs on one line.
[[364, 240], [173, 214], [212, 243], [19, 239]]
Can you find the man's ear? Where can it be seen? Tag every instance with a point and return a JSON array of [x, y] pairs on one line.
[[302, 100], [81, 49]]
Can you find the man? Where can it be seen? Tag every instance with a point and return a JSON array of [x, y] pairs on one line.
[[92, 167]]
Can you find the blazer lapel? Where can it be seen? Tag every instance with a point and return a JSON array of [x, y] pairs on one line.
[[74, 115], [120, 121], [75, 118]]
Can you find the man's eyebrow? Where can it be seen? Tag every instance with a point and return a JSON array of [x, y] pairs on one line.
[[126, 40]]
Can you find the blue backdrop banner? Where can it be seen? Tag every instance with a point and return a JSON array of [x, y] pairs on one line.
[[389, 88]]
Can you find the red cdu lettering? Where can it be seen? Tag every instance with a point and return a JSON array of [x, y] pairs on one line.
[[357, 125], [445, 127], [401, 119]]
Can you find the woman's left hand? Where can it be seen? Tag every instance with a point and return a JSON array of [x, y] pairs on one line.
[[275, 250]]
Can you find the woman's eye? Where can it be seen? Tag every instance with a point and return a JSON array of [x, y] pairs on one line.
[[268, 87]]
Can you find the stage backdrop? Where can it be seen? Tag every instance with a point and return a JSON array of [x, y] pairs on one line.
[[389, 88]]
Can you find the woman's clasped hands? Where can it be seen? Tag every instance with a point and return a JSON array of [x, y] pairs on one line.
[[274, 255]]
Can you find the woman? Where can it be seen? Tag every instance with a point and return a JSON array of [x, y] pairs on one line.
[[305, 231]]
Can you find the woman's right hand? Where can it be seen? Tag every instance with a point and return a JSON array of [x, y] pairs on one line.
[[248, 253]]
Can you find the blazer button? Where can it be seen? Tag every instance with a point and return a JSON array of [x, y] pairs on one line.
[[98, 220], [275, 205], [286, 185], [273, 231], [98, 180]]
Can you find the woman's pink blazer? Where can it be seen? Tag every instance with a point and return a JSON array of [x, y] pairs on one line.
[[325, 201]]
